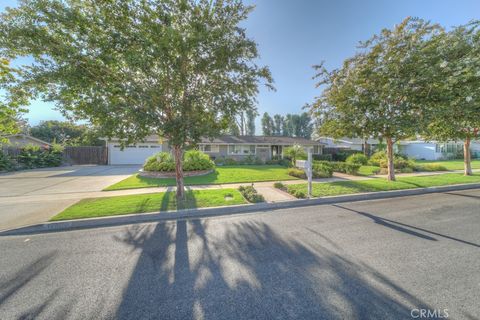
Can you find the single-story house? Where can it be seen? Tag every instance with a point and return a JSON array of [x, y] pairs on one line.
[[433, 150], [235, 147], [21, 140], [348, 143]]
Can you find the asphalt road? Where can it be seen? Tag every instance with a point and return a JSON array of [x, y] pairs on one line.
[[363, 260]]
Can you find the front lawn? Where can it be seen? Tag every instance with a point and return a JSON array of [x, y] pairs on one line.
[[227, 174], [151, 202], [381, 184], [450, 164], [368, 170]]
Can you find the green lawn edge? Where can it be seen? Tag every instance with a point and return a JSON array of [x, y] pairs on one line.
[[149, 202], [381, 184], [221, 175]]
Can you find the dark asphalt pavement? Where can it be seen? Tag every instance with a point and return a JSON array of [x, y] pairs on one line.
[[362, 260]]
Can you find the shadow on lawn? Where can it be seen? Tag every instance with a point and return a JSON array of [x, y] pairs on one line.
[[246, 270]]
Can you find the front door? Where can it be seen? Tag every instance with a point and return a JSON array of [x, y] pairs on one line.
[[263, 153]]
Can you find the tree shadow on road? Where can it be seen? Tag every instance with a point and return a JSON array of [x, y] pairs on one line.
[[246, 270]]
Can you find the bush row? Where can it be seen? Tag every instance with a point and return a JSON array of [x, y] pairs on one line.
[[319, 170], [193, 160], [251, 194], [250, 160], [343, 167], [32, 157]]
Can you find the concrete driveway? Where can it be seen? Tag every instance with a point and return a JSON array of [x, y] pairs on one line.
[[34, 196]]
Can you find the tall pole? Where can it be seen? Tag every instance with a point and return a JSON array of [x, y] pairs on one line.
[[309, 172]]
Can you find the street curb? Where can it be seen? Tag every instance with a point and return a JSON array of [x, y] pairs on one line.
[[224, 211]]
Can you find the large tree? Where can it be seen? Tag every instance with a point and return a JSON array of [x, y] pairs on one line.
[[251, 115], [380, 91], [454, 114], [182, 69], [267, 124], [278, 124], [67, 133], [11, 101]]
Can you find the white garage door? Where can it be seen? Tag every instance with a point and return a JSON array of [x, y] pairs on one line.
[[136, 154]]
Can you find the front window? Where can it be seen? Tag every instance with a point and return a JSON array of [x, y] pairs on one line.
[[209, 147], [241, 149]]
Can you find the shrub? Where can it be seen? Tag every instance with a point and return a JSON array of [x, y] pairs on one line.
[[357, 158], [343, 167], [194, 160], [32, 156], [399, 163], [279, 185], [430, 167], [250, 159], [322, 157], [376, 158], [251, 194], [295, 172], [342, 155], [321, 170], [219, 161], [161, 161], [230, 162], [272, 161], [5, 162], [299, 194]]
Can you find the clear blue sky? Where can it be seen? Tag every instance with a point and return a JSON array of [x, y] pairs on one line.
[[293, 35]]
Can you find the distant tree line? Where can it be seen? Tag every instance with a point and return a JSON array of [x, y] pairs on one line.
[[66, 133], [290, 125]]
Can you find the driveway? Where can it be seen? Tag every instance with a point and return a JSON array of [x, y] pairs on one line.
[[34, 196]]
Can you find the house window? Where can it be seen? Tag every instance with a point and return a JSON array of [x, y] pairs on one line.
[[209, 148], [317, 150], [241, 149]]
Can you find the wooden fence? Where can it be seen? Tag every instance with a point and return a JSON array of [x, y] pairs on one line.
[[72, 155], [86, 155]]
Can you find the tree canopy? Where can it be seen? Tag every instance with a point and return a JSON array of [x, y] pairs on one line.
[[380, 91], [182, 69]]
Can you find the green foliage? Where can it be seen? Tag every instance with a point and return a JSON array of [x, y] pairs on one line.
[[299, 194], [357, 158], [343, 155], [378, 92], [268, 126], [400, 161], [377, 157], [295, 153], [430, 167], [322, 170], [179, 69], [193, 160], [295, 172], [279, 185], [32, 156], [67, 133], [250, 159], [322, 157], [161, 161], [6, 164], [196, 160], [343, 167], [251, 194]]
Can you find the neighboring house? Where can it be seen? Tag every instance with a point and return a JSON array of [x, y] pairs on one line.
[[433, 150], [263, 147], [20, 140], [348, 143]]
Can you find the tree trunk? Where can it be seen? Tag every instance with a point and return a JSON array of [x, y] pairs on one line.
[[178, 155], [366, 150], [390, 166], [467, 161]]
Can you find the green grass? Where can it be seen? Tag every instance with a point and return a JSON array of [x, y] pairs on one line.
[[381, 184], [450, 164], [227, 174], [368, 170], [151, 202]]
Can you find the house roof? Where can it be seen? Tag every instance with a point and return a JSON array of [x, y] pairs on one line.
[[25, 136], [350, 140], [227, 139]]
